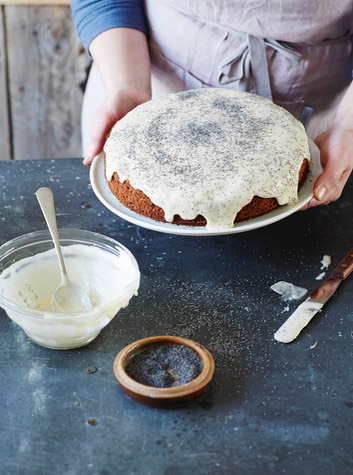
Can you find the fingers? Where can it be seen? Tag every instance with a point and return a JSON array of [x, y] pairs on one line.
[[320, 139], [102, 122], [336, 151]]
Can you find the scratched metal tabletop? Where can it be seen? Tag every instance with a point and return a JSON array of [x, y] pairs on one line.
[[271, 408]]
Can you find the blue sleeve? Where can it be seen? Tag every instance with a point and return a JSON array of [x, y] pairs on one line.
[[92, 17]]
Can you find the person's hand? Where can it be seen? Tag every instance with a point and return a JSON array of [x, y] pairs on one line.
[[336, 151], [115, 105], [122, 59]]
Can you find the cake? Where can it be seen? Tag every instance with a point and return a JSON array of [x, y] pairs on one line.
[[207, 157]]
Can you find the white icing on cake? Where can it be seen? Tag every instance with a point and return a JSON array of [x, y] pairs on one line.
[[208, 152]]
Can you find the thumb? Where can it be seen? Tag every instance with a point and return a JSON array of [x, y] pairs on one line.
[[101, 124]]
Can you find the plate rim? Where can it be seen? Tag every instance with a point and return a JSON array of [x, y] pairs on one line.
[[105, 196]]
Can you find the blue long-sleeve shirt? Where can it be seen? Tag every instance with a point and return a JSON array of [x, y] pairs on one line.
[[92, 17]]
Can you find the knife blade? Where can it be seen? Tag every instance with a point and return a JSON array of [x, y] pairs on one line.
[[314, 303]]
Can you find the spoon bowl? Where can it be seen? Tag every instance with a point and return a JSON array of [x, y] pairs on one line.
[[68, 296]]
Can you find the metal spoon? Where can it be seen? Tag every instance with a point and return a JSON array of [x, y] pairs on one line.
[[67, 297]]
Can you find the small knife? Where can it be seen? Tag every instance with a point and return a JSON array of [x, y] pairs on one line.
[[314, 303]]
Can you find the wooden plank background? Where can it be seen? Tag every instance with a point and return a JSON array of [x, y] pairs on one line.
[[5, 149], [43, 68]]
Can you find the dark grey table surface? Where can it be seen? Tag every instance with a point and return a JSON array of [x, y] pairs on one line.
[[271, 408]]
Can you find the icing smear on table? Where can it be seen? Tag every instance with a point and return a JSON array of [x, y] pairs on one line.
[[288, 291]]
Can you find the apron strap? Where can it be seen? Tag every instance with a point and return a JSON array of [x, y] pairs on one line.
[[259, 68], [250, 59]]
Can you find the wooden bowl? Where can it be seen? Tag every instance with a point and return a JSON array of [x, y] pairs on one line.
[[163, 397]]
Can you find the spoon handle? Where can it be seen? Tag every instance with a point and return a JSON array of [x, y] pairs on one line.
[[46, 201]]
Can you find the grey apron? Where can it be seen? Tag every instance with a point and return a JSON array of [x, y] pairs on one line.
[[299, 54]]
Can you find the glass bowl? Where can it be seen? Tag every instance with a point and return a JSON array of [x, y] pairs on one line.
[[30, 272]]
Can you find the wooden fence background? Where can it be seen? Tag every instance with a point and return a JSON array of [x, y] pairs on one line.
[[43, 69]]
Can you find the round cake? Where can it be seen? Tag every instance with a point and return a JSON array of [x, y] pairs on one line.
[[207, 157]]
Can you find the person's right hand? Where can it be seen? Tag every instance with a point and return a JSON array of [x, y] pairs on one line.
[[122, 59], [115, 105]]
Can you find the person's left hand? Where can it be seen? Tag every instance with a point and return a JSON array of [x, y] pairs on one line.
[[336, 152]]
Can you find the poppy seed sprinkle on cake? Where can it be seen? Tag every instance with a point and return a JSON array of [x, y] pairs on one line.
[[207, 157]]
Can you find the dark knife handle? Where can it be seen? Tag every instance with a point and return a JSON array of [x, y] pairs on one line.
[[345, 267]]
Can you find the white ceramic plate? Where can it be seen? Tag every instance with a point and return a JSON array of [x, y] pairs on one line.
[[104, 194]]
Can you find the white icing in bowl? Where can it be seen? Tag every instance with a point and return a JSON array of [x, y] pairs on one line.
[[30, 272]]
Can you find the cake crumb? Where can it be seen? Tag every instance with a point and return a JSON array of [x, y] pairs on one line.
[[326, 261]]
